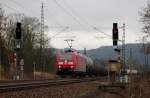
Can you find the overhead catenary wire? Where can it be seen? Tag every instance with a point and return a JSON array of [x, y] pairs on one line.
[[18, 13], [11, 8], [75, 13], [23, 7], [27, 10], [58, 24], [71, 13], [84, 21], [95, 28], [58, 33], [68, 12]]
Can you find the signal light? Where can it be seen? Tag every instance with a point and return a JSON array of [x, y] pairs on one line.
[[18, 30], [115, 34], [115, 42], [14, 57]]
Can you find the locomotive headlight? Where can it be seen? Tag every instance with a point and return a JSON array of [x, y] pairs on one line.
[[71, 67], [70, 63], [59, 66]]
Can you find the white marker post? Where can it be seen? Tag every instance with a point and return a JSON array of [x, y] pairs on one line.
[[22, 67]]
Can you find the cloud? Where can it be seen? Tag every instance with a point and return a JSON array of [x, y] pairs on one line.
[[81, 16]]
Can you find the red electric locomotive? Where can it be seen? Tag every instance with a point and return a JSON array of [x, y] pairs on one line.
[[70, 62]]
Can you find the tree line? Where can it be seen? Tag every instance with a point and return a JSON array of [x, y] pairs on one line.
[[34, 57]]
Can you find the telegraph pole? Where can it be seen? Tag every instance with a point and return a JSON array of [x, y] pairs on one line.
[[42, 38], [123, 47], [85, 51], [1, 15]]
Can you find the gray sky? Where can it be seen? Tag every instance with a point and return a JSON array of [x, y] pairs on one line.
[[81, 16]]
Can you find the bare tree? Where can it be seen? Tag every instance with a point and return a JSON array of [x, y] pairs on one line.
[[30, 43], [145, 19]]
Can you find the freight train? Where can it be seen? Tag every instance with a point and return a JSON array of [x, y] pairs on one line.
[[71, 62]]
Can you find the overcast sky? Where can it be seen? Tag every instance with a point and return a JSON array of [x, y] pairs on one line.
[[77, 19]]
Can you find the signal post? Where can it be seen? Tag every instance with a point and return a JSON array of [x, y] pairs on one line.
[[119, 65], [18, 65]]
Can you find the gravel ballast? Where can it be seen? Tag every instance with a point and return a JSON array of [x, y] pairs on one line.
[[76, 90]]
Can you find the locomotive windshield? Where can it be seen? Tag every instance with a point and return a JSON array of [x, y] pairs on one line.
[[65, 57]]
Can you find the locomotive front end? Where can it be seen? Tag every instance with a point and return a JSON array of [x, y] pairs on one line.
[[65, 64]]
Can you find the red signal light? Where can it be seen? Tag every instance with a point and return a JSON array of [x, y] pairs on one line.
[[115, 34], [14, 56]]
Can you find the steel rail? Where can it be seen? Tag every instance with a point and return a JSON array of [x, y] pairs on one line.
[[31, 84]]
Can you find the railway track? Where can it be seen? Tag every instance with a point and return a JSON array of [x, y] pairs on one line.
[[6, 86]]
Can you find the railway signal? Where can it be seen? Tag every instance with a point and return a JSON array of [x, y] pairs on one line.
[[18, 31], [115, 34], [14, 57], [18, 38]]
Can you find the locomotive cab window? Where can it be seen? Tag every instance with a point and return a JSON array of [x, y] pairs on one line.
[[65, 57]]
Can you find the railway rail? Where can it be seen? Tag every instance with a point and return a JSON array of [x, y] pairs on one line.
[[6, 86]]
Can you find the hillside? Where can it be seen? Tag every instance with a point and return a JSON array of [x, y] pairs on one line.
[[107, 52]]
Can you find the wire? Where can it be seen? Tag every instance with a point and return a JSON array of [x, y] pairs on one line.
[[67, 12], [59, 32], [95, 28], [91, 26], [11, 8], [75, 13], [56, 21], [23, 7], [80, 45], [100, 37]]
